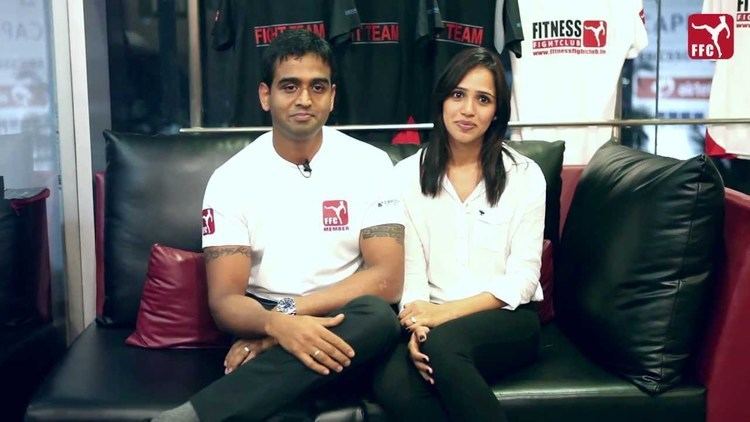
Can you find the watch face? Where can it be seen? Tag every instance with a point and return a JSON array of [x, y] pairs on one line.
[[286, 305]]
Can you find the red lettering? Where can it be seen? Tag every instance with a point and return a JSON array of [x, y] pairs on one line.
[[477, 36], [464, 34], [265, 34]]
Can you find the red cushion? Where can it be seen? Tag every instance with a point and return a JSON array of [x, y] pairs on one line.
[[545, 309], [174, 305]]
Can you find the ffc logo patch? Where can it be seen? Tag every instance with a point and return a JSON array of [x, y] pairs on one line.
[[710, 36], [208, 221], [594, 33], [335, 215], [569, 36]]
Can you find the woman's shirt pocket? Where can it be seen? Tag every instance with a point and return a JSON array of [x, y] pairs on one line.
[[492, 229]]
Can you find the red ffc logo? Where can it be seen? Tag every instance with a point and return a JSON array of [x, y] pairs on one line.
[[208, 221], [335, 213], [594, 33], [710, 36]]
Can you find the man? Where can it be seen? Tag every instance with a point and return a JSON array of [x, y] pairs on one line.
[[304, 251]]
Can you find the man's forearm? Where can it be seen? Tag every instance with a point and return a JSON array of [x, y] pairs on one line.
[[241, 316], [382, 282]]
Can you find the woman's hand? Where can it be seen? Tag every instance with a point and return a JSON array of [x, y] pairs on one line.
[[419, 359], [425, 314], [243, 350]]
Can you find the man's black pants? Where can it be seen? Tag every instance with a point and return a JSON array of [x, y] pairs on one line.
[[275, 378]]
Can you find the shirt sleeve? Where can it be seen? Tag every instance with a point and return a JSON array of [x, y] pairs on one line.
[[384, 205], [429, 20], [222, 32], [640, 40], [520, 282], [512, 27], [223, 219], [711, 6], [416, 285], [344, 18]]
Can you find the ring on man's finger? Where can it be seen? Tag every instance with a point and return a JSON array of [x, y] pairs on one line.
[[246, 349], [413, 320], [315, 355]]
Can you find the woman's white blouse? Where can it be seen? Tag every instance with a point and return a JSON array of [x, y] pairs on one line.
[[456, 249]]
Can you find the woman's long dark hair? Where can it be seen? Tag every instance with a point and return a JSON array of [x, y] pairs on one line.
[[437, 152]]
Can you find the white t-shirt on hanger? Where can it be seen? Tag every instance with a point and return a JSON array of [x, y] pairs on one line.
[[730, 90], [573, 54]]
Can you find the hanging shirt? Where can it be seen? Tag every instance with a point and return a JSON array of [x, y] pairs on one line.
[[730, 90], [374, 68], [241, 31], [508, 27], [572, 59], [465, 24]]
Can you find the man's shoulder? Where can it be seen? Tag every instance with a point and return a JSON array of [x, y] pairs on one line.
[[248, 159], [409, 163], [354, 149]]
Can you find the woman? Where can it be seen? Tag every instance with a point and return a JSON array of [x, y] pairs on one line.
[[473, 254]]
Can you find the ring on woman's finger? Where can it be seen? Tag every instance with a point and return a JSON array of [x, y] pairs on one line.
[[317, 352], [413, 320], [246, 349]]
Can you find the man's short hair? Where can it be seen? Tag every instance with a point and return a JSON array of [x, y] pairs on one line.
[[294, 43]]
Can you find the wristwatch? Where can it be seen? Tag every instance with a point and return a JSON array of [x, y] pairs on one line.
[[286, 305]]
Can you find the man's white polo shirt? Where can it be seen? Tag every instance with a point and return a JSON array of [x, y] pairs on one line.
[[303, 231]]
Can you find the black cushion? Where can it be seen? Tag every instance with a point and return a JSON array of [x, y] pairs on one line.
[[635, 259], [154, 194], [549, 157], [563, 385]]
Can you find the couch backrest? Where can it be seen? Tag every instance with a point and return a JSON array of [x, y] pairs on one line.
[[154, 189]]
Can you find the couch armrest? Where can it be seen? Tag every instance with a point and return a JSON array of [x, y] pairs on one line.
[[570, 177], [545, 309], [723, 364], [99, 195], [36, 265]]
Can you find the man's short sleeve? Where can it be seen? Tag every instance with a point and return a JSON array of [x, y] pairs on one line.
[[224, 220], [384, 205]]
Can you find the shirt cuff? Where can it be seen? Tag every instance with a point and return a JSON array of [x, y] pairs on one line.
[[506, 291]]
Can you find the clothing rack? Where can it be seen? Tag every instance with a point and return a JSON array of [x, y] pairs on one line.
[[196, 103], [428, 126]]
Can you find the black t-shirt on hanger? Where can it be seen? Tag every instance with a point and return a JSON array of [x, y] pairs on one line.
[[375, 67], [242, 29], [465, 24]]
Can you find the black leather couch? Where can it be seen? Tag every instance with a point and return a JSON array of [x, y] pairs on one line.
[[154, 187]]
